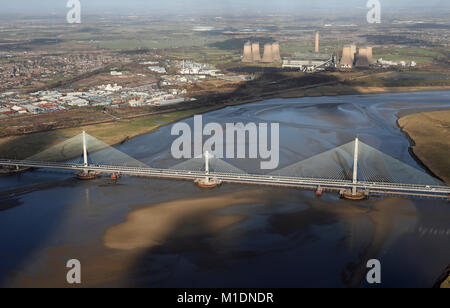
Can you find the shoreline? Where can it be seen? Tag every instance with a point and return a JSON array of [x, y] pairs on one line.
[[189, 112], [249, 101], [427, 144], [299, 92], [411, 152]]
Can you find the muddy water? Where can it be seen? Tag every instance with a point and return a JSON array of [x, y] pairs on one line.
[[157, 233]]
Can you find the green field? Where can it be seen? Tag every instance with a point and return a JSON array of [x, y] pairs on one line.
[[419, 55]]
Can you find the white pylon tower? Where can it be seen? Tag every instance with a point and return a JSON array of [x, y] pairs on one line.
[[207, 181], [85, 159], [355, 167], [207, 162]]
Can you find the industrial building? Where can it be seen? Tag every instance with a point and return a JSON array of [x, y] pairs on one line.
[[309, 62], [276, 52], [268, 53], [252, 53], [256, 53], [248, 55], [370, 55], [353, 52], [317, 42], [364, 57], [353, 57], [348, 56]]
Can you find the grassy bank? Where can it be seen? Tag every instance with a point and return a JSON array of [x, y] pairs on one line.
[[430, 133]]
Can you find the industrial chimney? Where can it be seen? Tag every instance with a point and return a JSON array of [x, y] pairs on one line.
[[276, 52], [268, 53], [317, 41], [256, 53], [248, 56]]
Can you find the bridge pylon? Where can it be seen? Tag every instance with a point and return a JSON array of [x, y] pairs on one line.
[[207, 181], [85, 159], [355, 166], [354, 193], [86, 174]]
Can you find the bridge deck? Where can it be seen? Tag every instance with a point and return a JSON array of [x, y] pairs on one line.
[[442, 192]]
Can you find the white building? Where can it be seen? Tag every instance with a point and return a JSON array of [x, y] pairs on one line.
[[157, 69], [79, 102], [110, 88]]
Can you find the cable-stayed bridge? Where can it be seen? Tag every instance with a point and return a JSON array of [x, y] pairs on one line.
[[355, 170]]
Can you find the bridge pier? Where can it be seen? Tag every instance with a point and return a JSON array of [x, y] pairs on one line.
[[87, 175], [352, 194], [319, 191], [207, 181], [115, 176]]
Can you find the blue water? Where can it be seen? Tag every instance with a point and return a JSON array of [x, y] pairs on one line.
[[291, 240]]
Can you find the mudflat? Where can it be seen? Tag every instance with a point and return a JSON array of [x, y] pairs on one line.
[[152, 226]]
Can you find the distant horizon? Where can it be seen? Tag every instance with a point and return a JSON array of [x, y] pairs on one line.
[[218, 7]]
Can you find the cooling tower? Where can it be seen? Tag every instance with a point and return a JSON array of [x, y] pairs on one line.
[[317, 41], [361, 59], [256, 53], [276, 52], [248, 56], [353, 52], [347, 57], [268, 54], [370, 55]]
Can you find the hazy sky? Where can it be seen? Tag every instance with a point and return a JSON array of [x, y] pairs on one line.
[[210, 6]]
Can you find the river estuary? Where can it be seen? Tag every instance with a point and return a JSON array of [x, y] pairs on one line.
[[160, 233]]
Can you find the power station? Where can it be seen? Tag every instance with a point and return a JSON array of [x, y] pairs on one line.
[[252, 53], [276, 52], [311, 61], [317, 47], [353, 57], [256, 53], [248, 55], [370, 55], [268, 53], [348, 56]]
